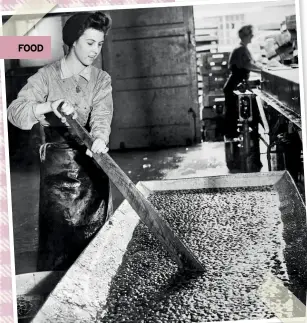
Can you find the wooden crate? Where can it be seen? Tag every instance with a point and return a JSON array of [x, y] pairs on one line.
[[212, 98], [215, 70], [212, 129], [83, 292], [216, 82], [207, 47], [209, 113], [211, 60]]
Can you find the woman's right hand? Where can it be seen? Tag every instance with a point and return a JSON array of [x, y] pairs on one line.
[[66, 109]]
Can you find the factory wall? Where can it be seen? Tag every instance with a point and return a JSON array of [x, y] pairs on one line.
[[152, 61]]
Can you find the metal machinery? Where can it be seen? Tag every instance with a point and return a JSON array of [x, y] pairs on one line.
[[278, 101], [279, 96], [245, 101], [243, 152]]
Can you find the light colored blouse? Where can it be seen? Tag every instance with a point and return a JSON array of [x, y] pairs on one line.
[[90, 94]]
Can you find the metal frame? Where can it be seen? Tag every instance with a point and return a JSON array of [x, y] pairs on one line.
[[87, 282], [285, 113]]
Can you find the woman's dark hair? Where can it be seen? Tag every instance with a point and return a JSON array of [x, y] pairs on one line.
[[77, 24], [245, 31]]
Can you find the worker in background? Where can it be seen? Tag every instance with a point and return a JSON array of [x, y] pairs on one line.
[[240, 65], [75, 196]]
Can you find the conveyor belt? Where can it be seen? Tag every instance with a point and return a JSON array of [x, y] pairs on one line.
[[280, 107]]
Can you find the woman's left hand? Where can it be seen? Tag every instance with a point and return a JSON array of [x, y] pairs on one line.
[[98, 147]]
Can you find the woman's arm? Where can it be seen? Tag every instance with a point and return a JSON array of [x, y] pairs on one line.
[[102, 111], [253, 67], [247, 61], [30, 105]]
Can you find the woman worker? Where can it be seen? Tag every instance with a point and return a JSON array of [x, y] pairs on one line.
[[240, 64], [75, 196]]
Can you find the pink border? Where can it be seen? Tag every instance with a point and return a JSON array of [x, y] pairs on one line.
[[6, 301], [7, 5], [6, 283]]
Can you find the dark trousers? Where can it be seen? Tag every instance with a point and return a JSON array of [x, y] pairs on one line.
[[231, 115]]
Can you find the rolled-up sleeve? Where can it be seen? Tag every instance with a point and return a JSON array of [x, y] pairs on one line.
[[102, 109], [21, 112]]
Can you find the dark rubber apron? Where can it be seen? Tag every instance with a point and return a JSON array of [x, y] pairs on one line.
[[75, 200]]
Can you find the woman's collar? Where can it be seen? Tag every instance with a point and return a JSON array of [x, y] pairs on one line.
[[66, 73]]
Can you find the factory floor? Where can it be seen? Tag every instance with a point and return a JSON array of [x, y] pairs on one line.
[[205, 159]]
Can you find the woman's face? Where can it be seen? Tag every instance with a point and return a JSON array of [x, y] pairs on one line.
[[88, 46], [250, 36], [247, 39]]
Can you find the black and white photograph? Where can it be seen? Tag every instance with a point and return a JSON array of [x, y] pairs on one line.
[[157, 165]]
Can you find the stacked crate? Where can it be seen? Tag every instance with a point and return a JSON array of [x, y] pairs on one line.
[[206, 41], [214, 74]]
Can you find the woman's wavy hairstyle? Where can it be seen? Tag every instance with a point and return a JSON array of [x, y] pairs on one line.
[[78, 23]]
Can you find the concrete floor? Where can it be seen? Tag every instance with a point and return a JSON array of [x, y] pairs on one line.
[[206, 159]]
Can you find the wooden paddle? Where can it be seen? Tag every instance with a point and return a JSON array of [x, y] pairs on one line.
[[145, 210]]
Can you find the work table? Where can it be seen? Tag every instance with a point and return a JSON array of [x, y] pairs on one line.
[[288, 74]]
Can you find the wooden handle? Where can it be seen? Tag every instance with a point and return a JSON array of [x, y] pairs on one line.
[[147, 213]]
